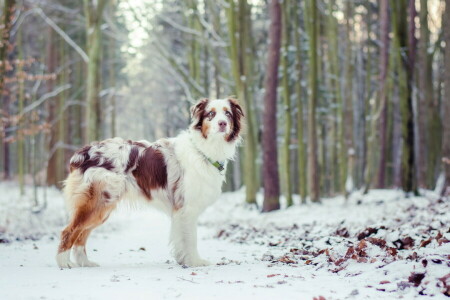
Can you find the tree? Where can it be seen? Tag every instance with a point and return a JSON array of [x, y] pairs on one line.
[[6, 22], [336, 93], [446, 102], [239, 28], [285, 153], [269, 138], [384, 60], [405, 65], [93, 11], [313, 172], [299, 95]]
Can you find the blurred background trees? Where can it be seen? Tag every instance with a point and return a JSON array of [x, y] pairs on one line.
[[362, 102]]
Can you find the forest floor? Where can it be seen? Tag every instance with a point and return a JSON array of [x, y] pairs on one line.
[[378, 246]]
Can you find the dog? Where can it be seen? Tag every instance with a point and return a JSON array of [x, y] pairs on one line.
[[182, 176]]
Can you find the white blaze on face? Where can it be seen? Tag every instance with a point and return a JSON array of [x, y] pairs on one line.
[[218, 115]]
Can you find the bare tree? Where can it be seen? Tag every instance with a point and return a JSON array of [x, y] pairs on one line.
[[446, 102], [313, 172], [270, 164]]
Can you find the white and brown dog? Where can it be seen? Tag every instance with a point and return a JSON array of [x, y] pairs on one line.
[[181, 175]]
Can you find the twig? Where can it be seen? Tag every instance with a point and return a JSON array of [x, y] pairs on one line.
[[188, 280]]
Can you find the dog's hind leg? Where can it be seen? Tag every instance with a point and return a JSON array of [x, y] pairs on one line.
[[79, 246], [89, 211]]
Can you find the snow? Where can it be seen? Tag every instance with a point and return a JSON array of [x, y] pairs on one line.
[[292, 253]]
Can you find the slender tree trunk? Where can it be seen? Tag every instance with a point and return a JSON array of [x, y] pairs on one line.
[[384, 61], [93, 12], [313, 172], [240, 53], [20, 135], [424, 95], [285, 153], [300, 118], [429, 102], [348, 102], [405, 70], [335, 85], [270, 165], [8, 13], [52, 104], [60, 152], [446, 103]]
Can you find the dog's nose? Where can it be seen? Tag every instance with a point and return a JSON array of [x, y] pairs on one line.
[[222, 124]]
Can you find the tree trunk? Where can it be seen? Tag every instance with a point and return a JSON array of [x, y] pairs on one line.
[[335, 85], [300, 118], [429, 112], [313, 172], [285, 153], [240, 54], [52, 60], [93, 112], [8, 13], [269, 138], [384, 62], [348, 127], [446, 103], [20, 129], [405, 70], [424, 95]]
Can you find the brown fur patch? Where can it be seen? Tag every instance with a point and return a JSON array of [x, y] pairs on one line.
[[151, 171], [89, 211], [205, 129], [83, 152], [236, 125], [89, 162], [198, 113], [132, 158], [139, 144]]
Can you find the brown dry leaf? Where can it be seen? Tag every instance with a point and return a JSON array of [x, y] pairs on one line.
[[378, 242], [368, 231], [424, 243], [446, 282], [391, 251], [343, 232], [272, 275], [416, 278]]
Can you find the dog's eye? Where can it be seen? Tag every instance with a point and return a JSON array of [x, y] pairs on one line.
[[228, 114], [211, 114]]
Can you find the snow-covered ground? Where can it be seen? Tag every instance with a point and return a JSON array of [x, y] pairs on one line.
[[380, 246]]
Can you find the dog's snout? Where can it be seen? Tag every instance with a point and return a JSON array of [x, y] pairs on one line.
[[222, 124]]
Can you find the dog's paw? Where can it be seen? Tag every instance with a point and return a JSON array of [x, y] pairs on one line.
[[63, 260], [197, 262], [88, 264]]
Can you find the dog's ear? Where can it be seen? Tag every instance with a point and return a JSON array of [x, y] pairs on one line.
[[198, 108], [236, 108], [197, 113], [237, 112]]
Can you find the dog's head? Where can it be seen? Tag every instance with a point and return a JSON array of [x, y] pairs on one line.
[[217, 117]]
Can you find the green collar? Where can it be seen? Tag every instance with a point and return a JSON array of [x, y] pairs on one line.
[[217, 164]]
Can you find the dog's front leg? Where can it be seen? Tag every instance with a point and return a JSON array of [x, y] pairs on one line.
[[183, 238]]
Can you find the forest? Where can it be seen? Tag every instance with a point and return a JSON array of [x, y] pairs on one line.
[[346, 143], [339, 95]]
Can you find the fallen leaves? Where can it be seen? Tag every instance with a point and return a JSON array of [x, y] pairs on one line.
[[445, 280], [339, 247], [367, 232], [416, 278]]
